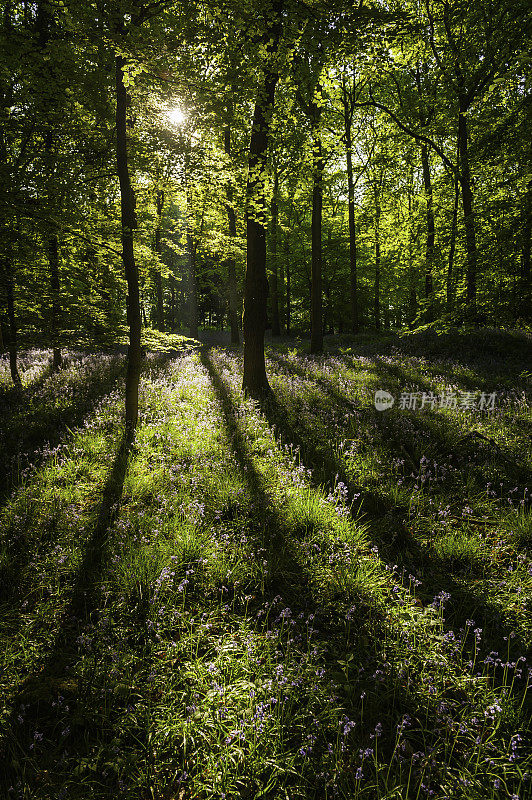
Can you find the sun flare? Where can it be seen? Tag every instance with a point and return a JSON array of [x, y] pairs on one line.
[[176, 115]]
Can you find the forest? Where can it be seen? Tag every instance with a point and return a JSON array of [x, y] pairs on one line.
[[265, 399]]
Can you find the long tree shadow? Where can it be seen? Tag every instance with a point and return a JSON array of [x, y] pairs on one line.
[[390, 526], [41, 419], [294, 583], [20, 759], [494, 356], [20, 552], [290, 578], [443, 434], [278, 417]]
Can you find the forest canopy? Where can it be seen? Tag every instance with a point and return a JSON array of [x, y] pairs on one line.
[[304, 167]]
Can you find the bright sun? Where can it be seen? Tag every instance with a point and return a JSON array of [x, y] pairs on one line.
[[176, 115]]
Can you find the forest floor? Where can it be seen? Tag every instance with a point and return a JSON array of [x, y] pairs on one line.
[[304, 598]]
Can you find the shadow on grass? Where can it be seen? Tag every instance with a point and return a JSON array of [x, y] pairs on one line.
[[23, 759], [463, 605], [390, 525], [289, 579], [33, 421]]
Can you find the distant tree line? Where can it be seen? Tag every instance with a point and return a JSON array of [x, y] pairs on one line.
[[305, 167]]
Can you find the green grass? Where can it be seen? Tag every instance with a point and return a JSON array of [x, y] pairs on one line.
[[305, 598]]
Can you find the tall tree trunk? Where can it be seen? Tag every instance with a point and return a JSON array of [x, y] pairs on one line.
[[255, 382], [231, 266], [53, 260], [412, 297], [452, 242], [276, 329], [353, 281], [376, 299], [192, 286], [159, 202], [288, 276], [316, 334], [525, 262], [429, 253], [12, 322], [467, 205], [172, 303], [129, 223]]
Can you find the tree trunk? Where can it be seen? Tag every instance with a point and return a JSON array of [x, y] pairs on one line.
[[192, 285], [467, 205], [452, 242], [53, 260], [353, 282], [276, 329], [288, 276], [316, 334], [412, 297], [129, 223], [429, 254], [377, 270], [12, 325], [158, 278], [525, 263], [255, 382], [231, 267]]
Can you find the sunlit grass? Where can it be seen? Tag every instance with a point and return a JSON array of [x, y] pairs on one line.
[[305, 598]]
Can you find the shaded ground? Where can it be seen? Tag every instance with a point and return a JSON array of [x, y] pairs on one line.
[[306, 598]]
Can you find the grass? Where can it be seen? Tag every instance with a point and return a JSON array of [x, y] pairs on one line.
[[305, 598]]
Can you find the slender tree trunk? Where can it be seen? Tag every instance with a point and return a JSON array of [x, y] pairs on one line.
[[353, 281], [129, 223], [255, 382], [281, 292], [192, 285], [172, 303], [276, 329], [467, 205], [288, 288], [525, 263], [231, 266], [412, 297], [159, 201], [452, 242], [12, 324], [377, 270], [316, 334], [53, 260], [429, 253]]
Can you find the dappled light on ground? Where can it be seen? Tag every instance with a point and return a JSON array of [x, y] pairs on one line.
[[303, 597]]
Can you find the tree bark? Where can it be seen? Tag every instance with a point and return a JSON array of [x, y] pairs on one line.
[[12, 325], [452, 242], [129, 223], [525, 262], [429, 253], [288, 288], [53, 260], [316, 334], [159, 202], [376, 305], [255, 381], [412, 297], [276, 329], [231, 266], [353, 282], [467, 205], [192, 285]]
